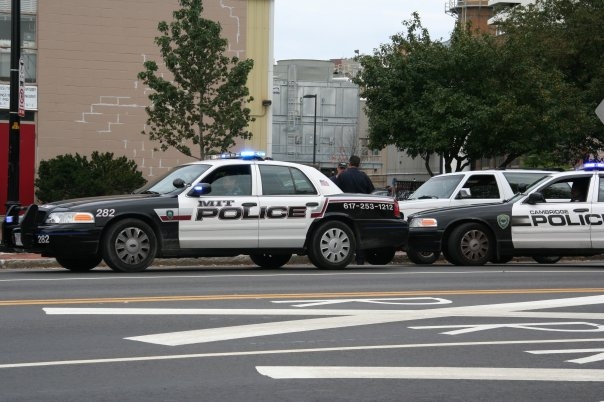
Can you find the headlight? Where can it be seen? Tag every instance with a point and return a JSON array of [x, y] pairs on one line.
[[423, 223], [69, 217]]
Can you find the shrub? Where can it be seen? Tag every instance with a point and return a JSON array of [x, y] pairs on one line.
[[74, 176]]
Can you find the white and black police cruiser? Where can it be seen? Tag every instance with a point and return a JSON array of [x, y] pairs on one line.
[[560, 215], [246, 205]]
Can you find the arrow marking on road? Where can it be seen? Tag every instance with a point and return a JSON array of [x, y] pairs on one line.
[[589, 359], [337, 318]]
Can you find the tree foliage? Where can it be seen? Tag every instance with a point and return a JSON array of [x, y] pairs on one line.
[[479, 96], [74, 176], [205, 102]]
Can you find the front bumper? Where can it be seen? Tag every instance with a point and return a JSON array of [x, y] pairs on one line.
[[26, 235], [425, 240]]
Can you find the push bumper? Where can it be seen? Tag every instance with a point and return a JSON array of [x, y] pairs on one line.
[[424, 240]]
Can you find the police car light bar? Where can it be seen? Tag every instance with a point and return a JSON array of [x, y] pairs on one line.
[[241, 155], [587, 166]]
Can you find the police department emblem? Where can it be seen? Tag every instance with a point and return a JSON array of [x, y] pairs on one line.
[[170, 214], [503, 221]]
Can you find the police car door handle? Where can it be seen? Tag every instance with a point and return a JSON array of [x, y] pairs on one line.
[[581, 210], [312, 204], [249, 204]]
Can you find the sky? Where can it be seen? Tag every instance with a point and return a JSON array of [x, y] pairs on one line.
[[333, 29]]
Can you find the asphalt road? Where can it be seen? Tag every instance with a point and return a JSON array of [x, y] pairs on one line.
[[515, 332]]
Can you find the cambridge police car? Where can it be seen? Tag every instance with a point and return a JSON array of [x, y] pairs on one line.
[[560, 215], [266, 209]]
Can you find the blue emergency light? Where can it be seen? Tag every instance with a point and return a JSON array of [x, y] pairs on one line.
[[593, 165]]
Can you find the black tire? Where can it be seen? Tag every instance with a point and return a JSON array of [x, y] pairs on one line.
[[129, 245], [380, 256], [470, 244], [268, 260], [80, 264], [422, 257], [547, 259], [332, 246]]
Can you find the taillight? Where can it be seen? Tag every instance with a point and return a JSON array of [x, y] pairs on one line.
[[397, 210]]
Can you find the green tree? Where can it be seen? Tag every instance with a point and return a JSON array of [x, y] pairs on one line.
[[477, 96], [74, 176], [204, 102], [565, 36]]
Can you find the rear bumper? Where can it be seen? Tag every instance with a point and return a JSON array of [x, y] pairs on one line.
[[385, 233]]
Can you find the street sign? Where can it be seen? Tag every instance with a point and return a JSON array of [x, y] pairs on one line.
[[600, 111], [21, 110]]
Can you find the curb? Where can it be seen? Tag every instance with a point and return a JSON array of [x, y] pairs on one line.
[[241, 260]]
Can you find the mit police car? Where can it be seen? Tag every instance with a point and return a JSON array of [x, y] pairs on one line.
[[560, 215], [266, 209]]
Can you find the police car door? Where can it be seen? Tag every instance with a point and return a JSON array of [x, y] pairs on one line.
[[223, 218], [597, 218], [288, 197], [556, 223]]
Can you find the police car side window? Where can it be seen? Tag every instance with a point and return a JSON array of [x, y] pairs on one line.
[[557, 192], [482, 186], [601, 189], [230, 180], [283, 180]]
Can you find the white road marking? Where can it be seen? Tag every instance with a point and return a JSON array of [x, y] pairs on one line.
[[599, 356], [432, 373], [339, 318], [537, 326], [295, 351], [413, 301]]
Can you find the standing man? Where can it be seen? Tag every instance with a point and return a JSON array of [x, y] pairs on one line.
[[353, 180], [341, 167]]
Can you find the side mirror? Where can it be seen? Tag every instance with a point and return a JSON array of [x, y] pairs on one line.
[[464, 193], [535, 198], [200, 189], [179, 183]]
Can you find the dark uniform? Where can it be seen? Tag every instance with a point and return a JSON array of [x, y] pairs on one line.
[[352, 180]]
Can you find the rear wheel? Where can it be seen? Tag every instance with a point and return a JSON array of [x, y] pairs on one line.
[[129, 245], [380, 256], [547, 259], [470, 244], [268, 260], [80, 264], [332, 246], [422, 257]]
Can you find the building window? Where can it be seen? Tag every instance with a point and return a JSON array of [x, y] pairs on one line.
[[28, 46]]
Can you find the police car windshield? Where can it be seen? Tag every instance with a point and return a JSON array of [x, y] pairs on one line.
[[437, 187], [165, 185]]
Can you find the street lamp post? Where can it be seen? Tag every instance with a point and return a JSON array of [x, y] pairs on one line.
[[314, 133]]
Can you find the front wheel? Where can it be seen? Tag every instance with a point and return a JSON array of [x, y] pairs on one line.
[[470, 244], [547, 259], [129, 245], [79, 264], [380, 256], [268, 260], [422, 257], [332, 246]]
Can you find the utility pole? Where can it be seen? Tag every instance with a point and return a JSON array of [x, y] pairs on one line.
[[14, 120]]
